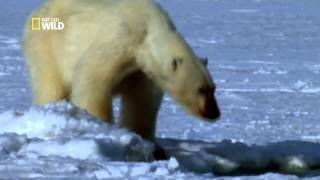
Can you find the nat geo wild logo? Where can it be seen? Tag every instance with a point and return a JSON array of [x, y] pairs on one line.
[[47, 24]]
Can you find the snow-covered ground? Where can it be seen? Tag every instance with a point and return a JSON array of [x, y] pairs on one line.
[[62, 141], [265, 58]]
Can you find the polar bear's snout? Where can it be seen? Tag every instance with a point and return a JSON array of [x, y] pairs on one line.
[[211, 109]]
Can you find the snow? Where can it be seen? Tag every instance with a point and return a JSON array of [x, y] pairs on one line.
[[264, 56], [61, 133], [161, 171], [173, 164], [66, 138], [61, 129]]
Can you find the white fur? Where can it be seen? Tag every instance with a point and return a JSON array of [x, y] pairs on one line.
[[111, 47]]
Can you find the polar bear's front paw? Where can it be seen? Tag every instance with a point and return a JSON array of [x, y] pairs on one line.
[[159, 153]]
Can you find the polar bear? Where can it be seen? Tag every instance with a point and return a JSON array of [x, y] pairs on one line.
[[128, 48]]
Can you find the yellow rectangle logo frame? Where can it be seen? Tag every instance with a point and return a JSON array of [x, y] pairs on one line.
[[36, 21]]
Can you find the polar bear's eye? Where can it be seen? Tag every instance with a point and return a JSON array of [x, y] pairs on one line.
[[175, 63]]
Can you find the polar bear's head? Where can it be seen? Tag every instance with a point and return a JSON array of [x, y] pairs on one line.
[[192, 86], [172, 64]]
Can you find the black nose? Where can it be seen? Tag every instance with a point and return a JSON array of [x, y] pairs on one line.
[[217, 115], [212, 110], [213, 113]]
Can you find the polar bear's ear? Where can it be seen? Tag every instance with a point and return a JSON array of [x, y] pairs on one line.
[[175, 63], [204, 61]]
